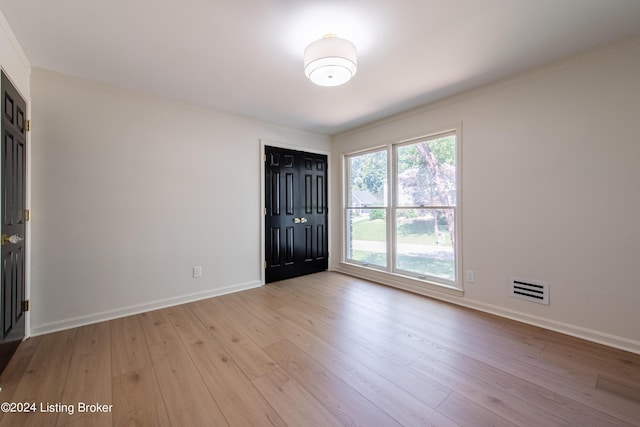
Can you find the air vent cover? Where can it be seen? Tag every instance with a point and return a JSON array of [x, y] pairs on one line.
[[530, 290]]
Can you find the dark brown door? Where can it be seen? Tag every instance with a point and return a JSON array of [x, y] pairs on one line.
[[13, 163], [296, 213]]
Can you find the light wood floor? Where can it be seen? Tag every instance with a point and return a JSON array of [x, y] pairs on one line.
[[322, 350]]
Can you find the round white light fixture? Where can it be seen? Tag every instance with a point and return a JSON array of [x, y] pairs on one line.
[[330, 61]]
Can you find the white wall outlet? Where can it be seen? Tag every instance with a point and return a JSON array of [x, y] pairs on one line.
[[197, 272], [471, 276]]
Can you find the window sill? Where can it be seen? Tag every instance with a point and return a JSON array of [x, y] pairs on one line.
[[397, 280]]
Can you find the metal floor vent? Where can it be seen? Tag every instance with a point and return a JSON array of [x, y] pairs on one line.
[[530, 290]]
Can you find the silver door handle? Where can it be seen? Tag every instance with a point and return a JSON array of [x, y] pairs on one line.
[[11, 239]]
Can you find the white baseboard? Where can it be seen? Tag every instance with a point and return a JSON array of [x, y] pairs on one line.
[[564, 328], [74, 322]]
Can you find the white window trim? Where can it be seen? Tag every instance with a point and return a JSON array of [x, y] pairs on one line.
[[387, 275]]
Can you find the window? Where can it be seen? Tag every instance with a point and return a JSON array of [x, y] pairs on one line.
[[425, 207], [366, 209], [402, 219]]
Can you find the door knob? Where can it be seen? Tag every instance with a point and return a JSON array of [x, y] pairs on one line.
[[11, 239]]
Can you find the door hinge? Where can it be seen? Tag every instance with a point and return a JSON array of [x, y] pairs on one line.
[[265, 211], [27, 214], [265, 264], [27, 125], [265, 157], [25, 305]]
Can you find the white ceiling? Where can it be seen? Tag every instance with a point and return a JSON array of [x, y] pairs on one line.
[[245, 56]]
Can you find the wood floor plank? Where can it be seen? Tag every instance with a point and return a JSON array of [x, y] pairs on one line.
[[356, 315], [186, 396], [565, 407], [156, 327], [240, 402], [571, 372], [89, 378], [345, 403], [388, 396], [488, 396], [627, 389], [557, 353], [387, 361], [280, 390], [262, 305], [384, 300], [467, 413], [137, 399], [129, 350], [235, 309], [16, 368], [601, 352], [588, 395], [44, 380], [336, 329], [476, 334], [428, 314], [246, 353]]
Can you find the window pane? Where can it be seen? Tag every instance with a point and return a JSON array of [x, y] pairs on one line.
[[425, 242], [368, 179], [367, 236], [427, 173]]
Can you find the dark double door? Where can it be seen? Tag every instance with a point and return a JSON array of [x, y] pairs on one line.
[[295, 213], [13, 164]]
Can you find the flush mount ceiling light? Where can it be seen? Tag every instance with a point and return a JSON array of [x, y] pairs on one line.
[[330, 61]]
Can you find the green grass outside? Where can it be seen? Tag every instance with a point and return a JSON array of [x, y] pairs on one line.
[[420, 265], [416, 232]]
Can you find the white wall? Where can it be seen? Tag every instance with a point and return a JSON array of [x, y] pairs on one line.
[[551, 169], [131, 191], [13, 60]]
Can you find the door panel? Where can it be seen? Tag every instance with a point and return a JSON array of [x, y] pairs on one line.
[[296, 181], [289, 248], [13, 163]]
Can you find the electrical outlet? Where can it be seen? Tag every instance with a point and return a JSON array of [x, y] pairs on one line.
[[197, 272], [471, 276]]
